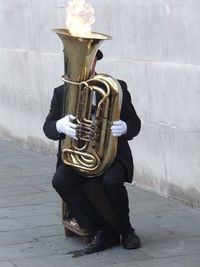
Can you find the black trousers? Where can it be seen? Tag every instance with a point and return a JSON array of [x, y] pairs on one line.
[[69, 186]]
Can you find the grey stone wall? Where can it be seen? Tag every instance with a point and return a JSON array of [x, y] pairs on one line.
[[155, 48]]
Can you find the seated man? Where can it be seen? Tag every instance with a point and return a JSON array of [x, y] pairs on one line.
[[68, 183]]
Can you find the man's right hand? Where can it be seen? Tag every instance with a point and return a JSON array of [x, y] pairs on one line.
[[65, 126]]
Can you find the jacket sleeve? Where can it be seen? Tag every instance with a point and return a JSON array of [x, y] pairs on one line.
[[49, 126], [129, 115]]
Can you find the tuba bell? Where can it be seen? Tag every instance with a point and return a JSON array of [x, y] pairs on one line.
[[96, 147]]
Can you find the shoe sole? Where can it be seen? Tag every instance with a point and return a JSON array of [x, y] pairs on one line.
[[107, 245], [133, 247]]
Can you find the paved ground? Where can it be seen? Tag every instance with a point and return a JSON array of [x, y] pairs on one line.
[[31, 233]]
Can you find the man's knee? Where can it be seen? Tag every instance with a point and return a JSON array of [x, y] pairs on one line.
[[57, 182], [61, 178], [65, 179]]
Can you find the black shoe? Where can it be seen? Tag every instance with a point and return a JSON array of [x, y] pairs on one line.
[[102, 240], [130, 240]]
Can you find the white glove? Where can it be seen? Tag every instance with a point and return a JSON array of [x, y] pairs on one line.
[[65, 126], [118, 128]]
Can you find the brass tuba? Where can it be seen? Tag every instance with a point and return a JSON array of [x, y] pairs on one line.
[[95, 148]]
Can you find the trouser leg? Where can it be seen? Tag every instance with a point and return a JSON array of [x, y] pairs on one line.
[[68, 185], [113, 184]]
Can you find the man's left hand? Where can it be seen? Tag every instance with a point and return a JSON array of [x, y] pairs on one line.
[[118, 128]]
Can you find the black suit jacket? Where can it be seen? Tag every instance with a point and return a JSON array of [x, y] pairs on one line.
[[128, 114]]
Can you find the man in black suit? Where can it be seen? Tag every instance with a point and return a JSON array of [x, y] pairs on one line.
[[68, 183]]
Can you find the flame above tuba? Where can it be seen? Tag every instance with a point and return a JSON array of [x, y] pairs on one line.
[[96, 147]]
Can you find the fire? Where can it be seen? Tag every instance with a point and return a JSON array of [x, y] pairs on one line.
[[80, 17]]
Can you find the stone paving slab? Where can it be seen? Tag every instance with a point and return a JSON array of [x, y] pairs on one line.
[[21, 171], [29, 222], [13, 237], [6, 264], [45, 187], [31, 233], [180, 226], [19, 190], [9, 180], [107, 258], [29, 210], [173, 247], [24, 250], [43, 197], [191, 260], [89, 261]]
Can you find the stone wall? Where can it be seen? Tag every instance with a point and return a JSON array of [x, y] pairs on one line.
[[155, 48]]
